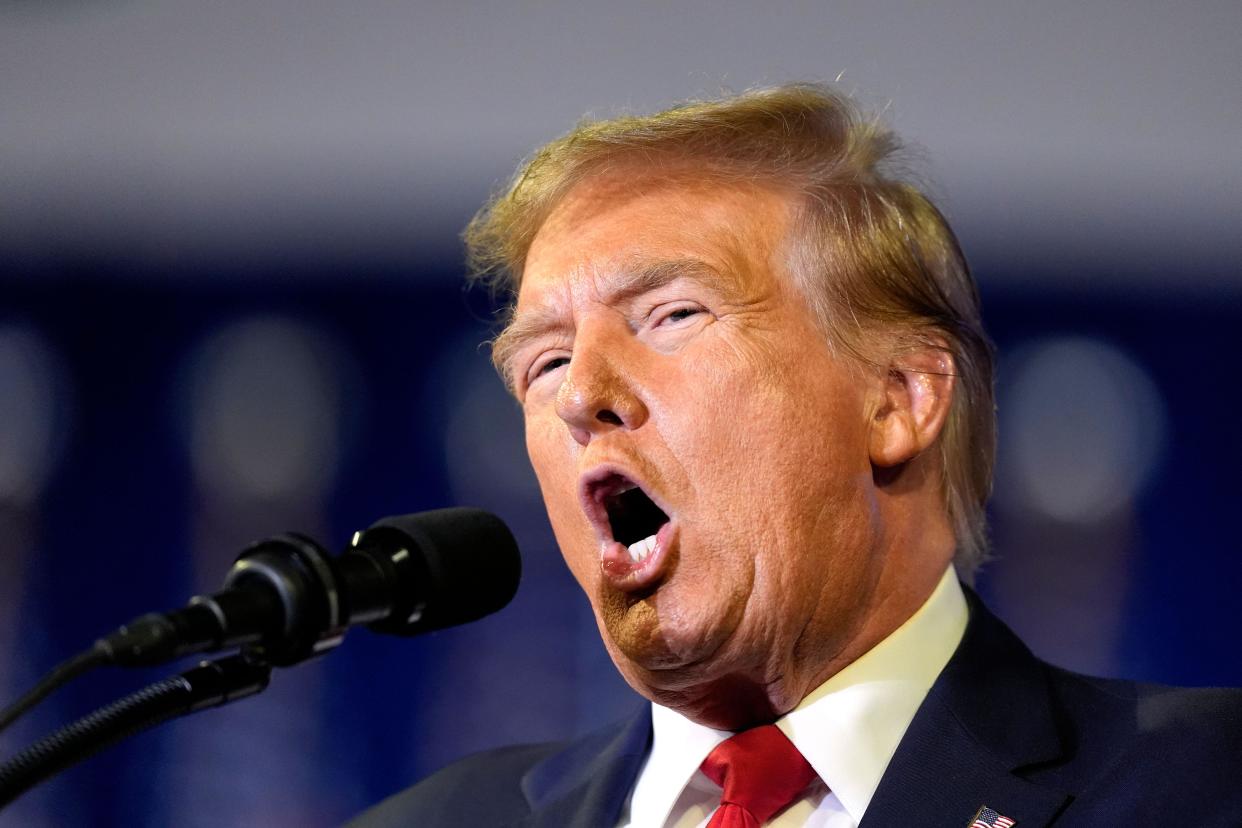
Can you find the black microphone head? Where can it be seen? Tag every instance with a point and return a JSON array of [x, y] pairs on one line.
[[456, 565]]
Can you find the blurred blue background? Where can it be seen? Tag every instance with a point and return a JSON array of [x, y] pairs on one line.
[[231, 305]]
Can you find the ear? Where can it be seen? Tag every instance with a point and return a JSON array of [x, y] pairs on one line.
[[916, 395]]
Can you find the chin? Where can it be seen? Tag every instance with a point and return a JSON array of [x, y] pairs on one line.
[[711, 697], [657, 650]]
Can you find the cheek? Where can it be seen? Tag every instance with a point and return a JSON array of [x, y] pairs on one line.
[[772, 434], [553, 456], [551, 450]]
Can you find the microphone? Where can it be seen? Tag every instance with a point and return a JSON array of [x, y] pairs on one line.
[[286, 600]]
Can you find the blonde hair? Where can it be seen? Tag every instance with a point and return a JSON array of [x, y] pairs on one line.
[[875, 258]]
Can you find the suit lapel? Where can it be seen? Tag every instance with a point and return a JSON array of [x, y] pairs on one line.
[[941, 776], [587, 783], [988, 715]]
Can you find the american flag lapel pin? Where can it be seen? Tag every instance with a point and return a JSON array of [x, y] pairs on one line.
[[987, 818]]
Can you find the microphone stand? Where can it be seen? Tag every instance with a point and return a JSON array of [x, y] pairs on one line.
[[284, 601], [210, 684]]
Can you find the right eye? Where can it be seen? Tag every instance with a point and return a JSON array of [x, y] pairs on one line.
[[546, 365]]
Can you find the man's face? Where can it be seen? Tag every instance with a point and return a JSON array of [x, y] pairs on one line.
[[702, 452]]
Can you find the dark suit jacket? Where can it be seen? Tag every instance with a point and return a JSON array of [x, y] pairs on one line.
[[999, 728]]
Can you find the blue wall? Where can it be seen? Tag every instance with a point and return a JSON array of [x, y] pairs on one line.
[[128, 520]]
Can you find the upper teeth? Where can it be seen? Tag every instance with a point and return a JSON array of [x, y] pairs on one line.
[[641, 549]]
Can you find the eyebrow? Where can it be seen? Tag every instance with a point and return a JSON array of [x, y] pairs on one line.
[[631, 281]]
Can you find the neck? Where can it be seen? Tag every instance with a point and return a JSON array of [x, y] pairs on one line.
[[747, 698]]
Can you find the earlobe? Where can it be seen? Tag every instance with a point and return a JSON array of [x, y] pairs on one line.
[[916, 395]]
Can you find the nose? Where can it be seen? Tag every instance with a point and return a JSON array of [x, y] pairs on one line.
[[599, 393]]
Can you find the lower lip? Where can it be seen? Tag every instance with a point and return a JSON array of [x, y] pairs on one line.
[[627, 575]]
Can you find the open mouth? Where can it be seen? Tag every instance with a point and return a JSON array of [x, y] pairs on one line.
[[632, 516], [635, 520]]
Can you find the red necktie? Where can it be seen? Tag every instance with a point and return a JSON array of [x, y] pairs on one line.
[[761, 773]]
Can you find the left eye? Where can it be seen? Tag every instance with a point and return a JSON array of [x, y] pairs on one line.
[[678, 315], [550, 365]]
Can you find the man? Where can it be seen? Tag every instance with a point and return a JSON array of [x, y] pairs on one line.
[[758, 400]]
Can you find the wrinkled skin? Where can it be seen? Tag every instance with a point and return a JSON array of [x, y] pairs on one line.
[[712, 387]]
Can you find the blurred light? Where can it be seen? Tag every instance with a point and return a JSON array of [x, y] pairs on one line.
[[484, 442], [266, 398], [32, 391], [1082, 426]]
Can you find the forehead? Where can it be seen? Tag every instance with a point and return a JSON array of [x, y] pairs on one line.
[[620, 226]]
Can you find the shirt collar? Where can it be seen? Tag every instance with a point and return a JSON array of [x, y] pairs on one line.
[[848, 728]]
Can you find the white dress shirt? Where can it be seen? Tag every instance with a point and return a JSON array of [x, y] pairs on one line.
[[847, 728]]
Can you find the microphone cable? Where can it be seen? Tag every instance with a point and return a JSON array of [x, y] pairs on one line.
[[62, 674], [210, 684]]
